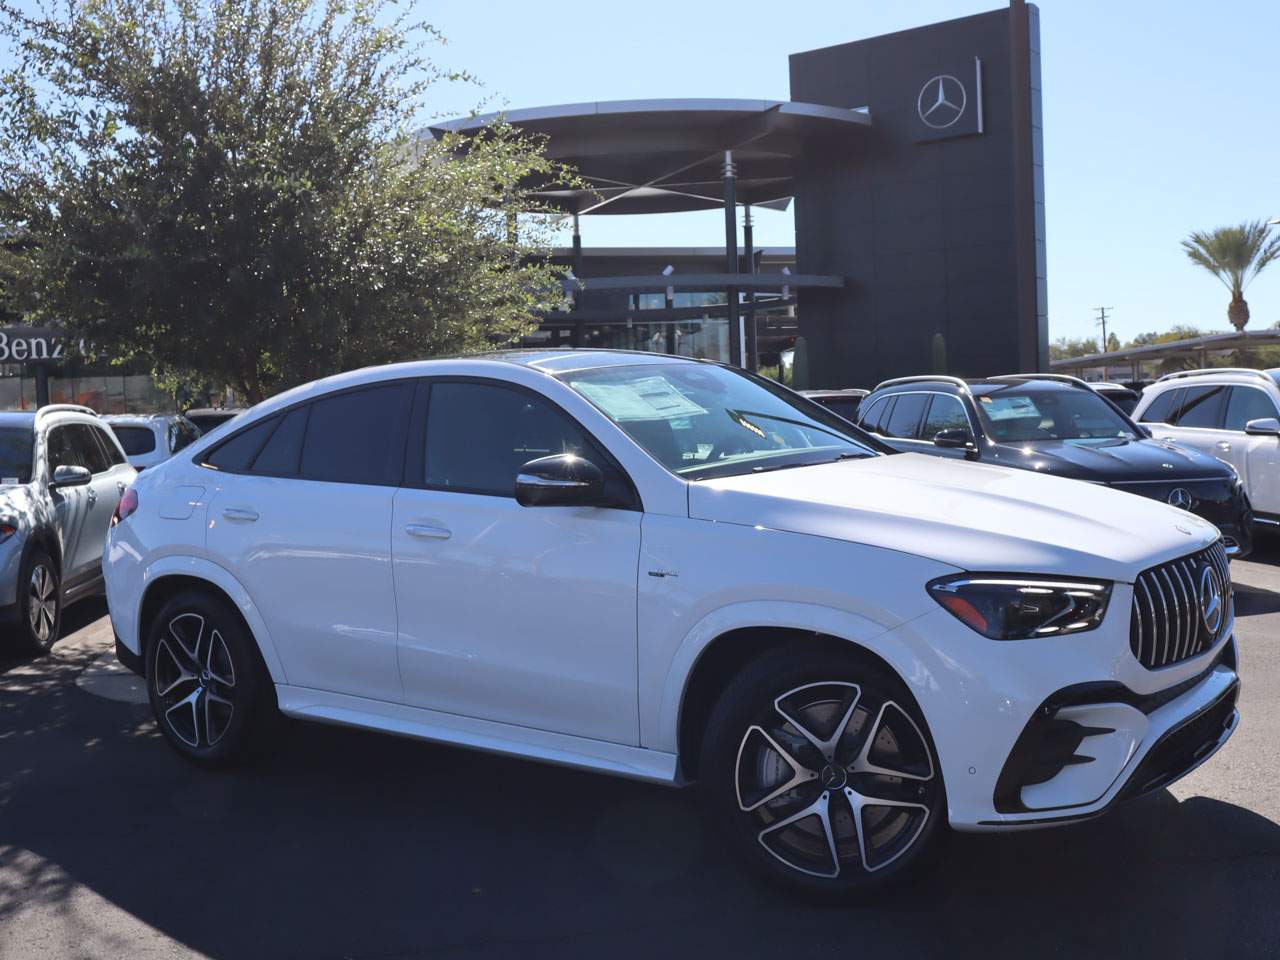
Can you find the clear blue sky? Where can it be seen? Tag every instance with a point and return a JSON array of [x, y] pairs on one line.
[[1160, 118]]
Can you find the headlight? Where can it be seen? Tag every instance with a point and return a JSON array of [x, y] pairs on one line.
[[1016, 608]]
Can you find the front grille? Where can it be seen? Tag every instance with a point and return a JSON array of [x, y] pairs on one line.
[[1167, 625]]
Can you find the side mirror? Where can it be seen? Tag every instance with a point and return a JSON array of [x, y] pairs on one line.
[[1266, 427], [561, 480], [956, 439], [68, 476]]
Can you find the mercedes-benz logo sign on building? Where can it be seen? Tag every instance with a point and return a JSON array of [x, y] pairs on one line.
[[1180, 497], [1211, 599], [942, 102]]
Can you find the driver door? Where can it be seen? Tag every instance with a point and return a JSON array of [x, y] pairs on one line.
[[521, 615], [70, 504]]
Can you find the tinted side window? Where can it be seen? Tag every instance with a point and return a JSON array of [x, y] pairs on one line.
[[904, 421], [237, 453], [187, 435], [880, 414], [60, 450], [358, 437], [1201, 407], [136, 440], [945, 413], [281, 455], [1245, 404], [110, 449], [1161, 407], [870, 413], [479, 435], [846, 407], [90, 453]]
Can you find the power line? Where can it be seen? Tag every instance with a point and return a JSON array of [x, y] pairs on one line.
[[1102, 322]]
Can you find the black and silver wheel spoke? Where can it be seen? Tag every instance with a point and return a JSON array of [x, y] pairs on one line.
[[194, 679], [833, 779]]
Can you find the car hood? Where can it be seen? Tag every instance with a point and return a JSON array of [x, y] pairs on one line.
[[971, 516], [1118, 461]]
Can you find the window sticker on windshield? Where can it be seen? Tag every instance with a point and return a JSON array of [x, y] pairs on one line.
[[1010, 408], [9, 482], [653, 398]]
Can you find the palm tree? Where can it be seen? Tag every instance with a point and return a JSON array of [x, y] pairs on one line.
[[1235, 255]]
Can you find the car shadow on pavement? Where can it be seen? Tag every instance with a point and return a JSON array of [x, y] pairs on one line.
[[339, 843]]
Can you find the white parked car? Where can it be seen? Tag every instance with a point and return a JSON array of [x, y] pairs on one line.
[[150, 439], [672, 570], [1234, 415]]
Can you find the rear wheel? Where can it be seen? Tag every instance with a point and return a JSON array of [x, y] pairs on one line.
[[204, 678], [820, 770], [39, 603]]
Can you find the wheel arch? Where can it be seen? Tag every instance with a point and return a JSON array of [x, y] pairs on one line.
[[172, 575], [729, 639]]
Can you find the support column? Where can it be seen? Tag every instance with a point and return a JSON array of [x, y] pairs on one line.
[[575, 336], [42, 385], [731, 256], [753, 340]]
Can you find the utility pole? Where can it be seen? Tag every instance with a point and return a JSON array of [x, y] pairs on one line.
[[1102, 322]]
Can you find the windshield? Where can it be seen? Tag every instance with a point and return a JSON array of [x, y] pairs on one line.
[[700, 420], [1020, 415], [15, 454]]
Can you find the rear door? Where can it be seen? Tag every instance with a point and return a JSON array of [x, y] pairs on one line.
[[1256, 458], [301, 514], [1195, 419], [111, 474]]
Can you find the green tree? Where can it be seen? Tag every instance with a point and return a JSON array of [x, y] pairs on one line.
[[1064, 348], [235, 190], [1235, 255]]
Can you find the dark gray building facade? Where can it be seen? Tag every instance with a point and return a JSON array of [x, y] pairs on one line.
[[935, 217]]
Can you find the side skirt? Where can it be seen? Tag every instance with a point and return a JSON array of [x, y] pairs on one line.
[[558, 748]]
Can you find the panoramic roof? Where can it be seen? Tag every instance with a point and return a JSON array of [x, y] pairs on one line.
[[664, 156]]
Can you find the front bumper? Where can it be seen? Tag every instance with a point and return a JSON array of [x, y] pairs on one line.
[[979, 697]]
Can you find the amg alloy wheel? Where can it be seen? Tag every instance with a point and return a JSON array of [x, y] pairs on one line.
[[834, 782], [203, 678]]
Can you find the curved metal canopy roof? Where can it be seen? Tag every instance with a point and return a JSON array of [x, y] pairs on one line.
[[664, 156]]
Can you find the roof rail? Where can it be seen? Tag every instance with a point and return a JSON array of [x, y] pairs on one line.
[[65, 408], [1055, 377], [1211, 371], [939, 378]]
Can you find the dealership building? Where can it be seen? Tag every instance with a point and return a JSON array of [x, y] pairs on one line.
[[915, 167]]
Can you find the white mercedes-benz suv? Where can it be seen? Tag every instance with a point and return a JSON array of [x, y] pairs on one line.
[[673, 570]]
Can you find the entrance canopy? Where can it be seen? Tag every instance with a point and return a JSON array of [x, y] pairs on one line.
[[668, 156]]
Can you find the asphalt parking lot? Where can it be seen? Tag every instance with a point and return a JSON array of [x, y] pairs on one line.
[[341, 844]]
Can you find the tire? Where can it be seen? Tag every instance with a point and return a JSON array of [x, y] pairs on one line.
[[39, 604], [820, 771], [205, 678]]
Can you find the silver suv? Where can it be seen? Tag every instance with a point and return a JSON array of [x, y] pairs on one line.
[[62, 473], [1234, 415]]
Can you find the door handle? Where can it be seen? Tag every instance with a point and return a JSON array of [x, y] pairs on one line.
[[240, 513], [1223, 445], [427, 531]]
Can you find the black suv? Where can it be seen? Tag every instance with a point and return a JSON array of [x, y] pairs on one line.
[[1056, 425]]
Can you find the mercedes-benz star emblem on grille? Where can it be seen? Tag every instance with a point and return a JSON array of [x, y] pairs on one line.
[[1180, 497], [1211, 608], [941, 101]]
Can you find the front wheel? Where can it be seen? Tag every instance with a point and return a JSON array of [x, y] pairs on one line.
[[819, 768], [204, 678], [39, 604]]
